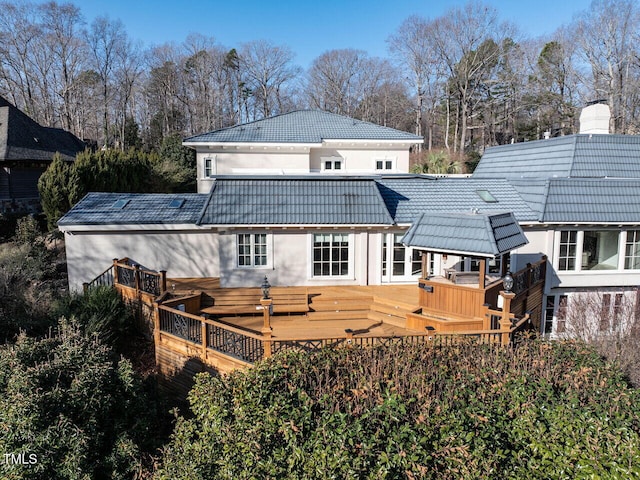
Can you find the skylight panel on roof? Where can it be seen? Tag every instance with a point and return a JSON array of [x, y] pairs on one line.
[[486, 196], [121, 203], [176, 203]]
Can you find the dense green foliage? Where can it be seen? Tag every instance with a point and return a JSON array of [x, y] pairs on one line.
[[544, 410], [71, 407], [133, 171]]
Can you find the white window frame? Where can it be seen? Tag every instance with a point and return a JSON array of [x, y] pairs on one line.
[[625, 242], [332, 161], [387, 259], [391, 162], [252, 245], [578, 259], [350, 259], [209, 166]]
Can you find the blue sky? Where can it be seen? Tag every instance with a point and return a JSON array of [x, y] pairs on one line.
[[309, 28]]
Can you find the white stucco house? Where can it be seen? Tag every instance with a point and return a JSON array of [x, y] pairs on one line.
[[301, 142], [324, 209]]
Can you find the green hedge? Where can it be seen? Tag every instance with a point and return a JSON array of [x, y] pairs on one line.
[[544, 410]]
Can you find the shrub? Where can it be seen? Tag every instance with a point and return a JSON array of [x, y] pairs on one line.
[[541, 411], [65, 400]]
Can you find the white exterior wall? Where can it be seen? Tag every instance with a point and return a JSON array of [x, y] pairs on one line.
[[297, 160], [290, 259], [180, 253], [251, 162], [362, 160]]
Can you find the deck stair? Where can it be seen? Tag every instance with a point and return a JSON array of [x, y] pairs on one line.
[[390, 311], [333, 307]]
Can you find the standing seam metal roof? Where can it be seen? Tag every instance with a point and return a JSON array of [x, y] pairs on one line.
[[299, 201], [303, 126], [485, 235]]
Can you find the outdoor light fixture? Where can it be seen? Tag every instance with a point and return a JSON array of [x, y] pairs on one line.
[[266, 286], [507, 282]]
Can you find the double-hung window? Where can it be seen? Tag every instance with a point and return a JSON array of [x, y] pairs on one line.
[[252, 250], [208, 167], [331, 255]]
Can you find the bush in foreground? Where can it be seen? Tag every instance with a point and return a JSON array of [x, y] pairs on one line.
[[73, 409], [544, 410]]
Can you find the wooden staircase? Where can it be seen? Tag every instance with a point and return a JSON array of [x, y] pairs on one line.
[[325, 307]]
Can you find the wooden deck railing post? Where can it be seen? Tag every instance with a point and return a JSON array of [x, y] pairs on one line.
[[349, 333], [136, 274], [505, 321], [156, 330], [85, 287], [163, 281], [266, 331], [115, 271], [203, 336]]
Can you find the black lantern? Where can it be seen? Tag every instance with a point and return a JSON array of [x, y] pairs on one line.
[[266, 286], [507, 282]]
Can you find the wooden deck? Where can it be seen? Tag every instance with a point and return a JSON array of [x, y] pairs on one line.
[[366, 310]]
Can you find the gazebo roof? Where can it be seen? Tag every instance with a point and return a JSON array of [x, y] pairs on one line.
[[473, 234]]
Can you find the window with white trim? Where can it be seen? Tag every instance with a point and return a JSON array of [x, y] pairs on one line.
[[253, 250], [632, 250], [568, 250], [208, 167], [330, 254], [384, 164], [331, 163]]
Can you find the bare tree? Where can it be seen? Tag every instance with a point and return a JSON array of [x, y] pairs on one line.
[[607, 34], [465, 40], [608, 320], [268, 69], [106, 39]]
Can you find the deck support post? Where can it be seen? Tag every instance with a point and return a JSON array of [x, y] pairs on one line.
[[482, 274], [267, 305], [505, 321], [203, 335]]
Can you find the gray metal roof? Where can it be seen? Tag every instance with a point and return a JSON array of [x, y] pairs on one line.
[[149, 209], [23, 139], [580, 155], [602, 200], [303, 126], [310, 200], [409, 196], [484, 235]]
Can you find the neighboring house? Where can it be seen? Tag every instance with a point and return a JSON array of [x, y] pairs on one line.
[[585, 190], [301, 142], [26, 150]]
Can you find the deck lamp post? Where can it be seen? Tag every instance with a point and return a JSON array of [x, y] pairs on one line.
[[507, 282], [266, 287]]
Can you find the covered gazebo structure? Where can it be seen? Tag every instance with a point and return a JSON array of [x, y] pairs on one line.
[[462, 301]]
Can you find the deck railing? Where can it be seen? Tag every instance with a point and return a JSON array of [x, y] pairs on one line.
[[209, 335], [105, 279], [132, 275]]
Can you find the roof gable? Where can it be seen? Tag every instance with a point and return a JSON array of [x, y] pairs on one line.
[[303, 126]]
